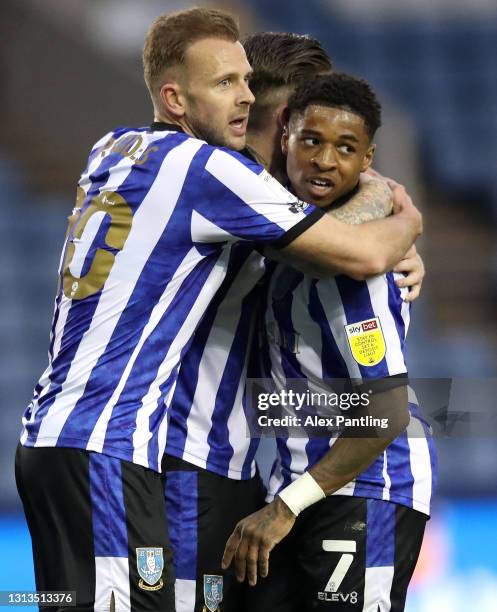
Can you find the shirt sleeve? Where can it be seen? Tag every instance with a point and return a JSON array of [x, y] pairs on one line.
[[241, 201], [375, 331]]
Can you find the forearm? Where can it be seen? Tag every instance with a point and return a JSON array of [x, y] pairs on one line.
[[373, 201], [383, 243], [349, 456]]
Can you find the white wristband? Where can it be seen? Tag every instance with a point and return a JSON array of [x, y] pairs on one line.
[[302, 493]]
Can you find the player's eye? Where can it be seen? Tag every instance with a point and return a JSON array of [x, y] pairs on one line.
[[225, 83], [311, 141], [347, 149]]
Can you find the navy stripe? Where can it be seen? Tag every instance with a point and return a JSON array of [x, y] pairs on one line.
[[181, 493], [52, 329], [357, 306], [145, 368], [75, 327], [395, 304], [282, 309], [234, 215], [333, 364], [110, 534], [286, 460], [399, 467], [220, 449], [77, 323], [380, 536], [153, 279], [316, 449], [181, 404], [249, 459], [373, 475]]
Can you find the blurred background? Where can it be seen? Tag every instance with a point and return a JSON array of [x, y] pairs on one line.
[[71, 71]]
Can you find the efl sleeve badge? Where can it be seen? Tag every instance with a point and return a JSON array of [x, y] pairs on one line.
[[366, 341]]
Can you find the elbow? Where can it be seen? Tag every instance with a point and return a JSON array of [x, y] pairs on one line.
[[372, 266]]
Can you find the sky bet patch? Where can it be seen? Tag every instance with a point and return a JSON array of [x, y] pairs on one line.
[[366, 341]]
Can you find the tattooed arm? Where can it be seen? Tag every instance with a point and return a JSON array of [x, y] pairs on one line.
[[372, 201]]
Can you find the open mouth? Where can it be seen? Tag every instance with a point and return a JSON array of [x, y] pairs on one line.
[[321, 182], [239, 125], [320, 187]]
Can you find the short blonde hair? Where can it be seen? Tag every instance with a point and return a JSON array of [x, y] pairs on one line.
[[170, 35]]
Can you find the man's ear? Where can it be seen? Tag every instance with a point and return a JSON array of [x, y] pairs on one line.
[[282, 116], [368, 158], [172, 99], [284, 139]]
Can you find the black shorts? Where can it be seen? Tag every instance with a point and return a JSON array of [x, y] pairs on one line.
[[98, 527], [343, 553], [202, 510]]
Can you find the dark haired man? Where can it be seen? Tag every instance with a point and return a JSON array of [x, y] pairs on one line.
[[158, 213], [209, 455], [338, 329]]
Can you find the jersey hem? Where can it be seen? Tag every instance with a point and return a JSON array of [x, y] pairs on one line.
[[202, 463], [116, 453]]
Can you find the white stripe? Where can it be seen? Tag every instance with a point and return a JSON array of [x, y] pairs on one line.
[[405, 310], [386, 478], [420, 466], [309, 355], [253, 190], [142, 433], [204, 230], [378, 294], [146, 229], [163, 427], [103, 584], [83, 244], [120, 580], [276, 481], [377, 587], [184, 594], [112, 576], [97, 438], [238, 431], [214, 359], [85, 182], [64, 307], [335, 314]]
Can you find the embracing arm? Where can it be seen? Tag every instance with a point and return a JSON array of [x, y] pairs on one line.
[[360, 251], [372, 201], [256, 535]]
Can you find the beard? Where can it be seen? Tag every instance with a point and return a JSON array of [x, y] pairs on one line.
[[205, 129], [207, 132]]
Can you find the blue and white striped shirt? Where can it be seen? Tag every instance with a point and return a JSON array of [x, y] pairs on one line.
[[321, 329], [148, 245], [207, 417]]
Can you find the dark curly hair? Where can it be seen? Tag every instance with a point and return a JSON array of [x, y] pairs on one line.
[[339, 90]]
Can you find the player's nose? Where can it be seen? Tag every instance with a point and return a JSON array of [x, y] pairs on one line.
[[246, 95], [325, 159]]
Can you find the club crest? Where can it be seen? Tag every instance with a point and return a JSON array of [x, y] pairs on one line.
[[213, 592], [150, 563]]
